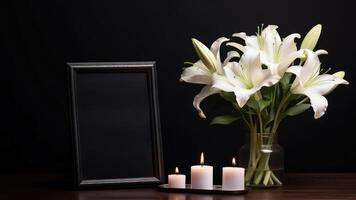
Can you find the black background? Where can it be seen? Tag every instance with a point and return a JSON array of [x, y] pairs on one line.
[[39, 37]]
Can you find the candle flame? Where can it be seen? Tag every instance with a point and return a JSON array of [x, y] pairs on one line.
[[202, 158], [233, 162], [177, 170]]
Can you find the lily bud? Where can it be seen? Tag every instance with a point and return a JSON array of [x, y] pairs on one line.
[[312, 37], [205, 55], [340, 74]]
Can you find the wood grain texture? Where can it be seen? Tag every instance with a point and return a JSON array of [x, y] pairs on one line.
[[297, 186]]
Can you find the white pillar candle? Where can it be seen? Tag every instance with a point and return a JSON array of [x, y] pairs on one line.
[[202, 175], [176, 180], [233, 177]]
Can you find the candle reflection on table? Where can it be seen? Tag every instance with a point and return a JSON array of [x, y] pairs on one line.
[[201, 197], [176, 196], [173, 196]]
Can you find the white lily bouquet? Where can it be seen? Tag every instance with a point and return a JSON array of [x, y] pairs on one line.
[[266, 78]]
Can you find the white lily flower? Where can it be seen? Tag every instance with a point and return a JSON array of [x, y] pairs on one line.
[[314, 85], [202, 71], [275, 53], [244, 78]]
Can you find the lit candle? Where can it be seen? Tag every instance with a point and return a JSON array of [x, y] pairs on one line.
[[233, 177], [202, 175], [176, 180]]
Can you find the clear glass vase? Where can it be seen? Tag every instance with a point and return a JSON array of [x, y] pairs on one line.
[[263, 160]]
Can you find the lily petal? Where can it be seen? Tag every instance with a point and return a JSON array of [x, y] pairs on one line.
[[287, 60], [325, 83], [295, 69], [271, 40], [222, 83], [197, 73], [320, 52], [241, 35], [311, 66], [268, 80], [231, 55], [288, 45], [251, 62], [297, 85], [236, 45], [205, 92], [233, 71], [288, 52], [243, 95], [215, 49], [251, 41], [319, 104]]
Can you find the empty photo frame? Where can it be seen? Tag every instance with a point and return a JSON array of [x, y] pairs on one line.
[[115, 123]]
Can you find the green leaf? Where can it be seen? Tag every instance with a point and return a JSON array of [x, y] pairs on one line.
[[285, 82], [224, 119], [286, 78], [243, 110], [297, 109], [267, 92], [258, 105], [252, 103], [269, 118], [264, 104], [228, 96]]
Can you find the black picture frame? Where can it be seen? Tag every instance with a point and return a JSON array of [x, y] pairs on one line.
[[82, 77]]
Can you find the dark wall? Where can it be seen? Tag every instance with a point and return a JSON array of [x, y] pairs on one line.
[[39, 37]]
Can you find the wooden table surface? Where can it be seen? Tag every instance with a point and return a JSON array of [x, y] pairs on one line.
[[297, 186]]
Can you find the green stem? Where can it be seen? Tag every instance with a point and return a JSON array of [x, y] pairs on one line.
[[258, 170], [270, 181], [258, 177], [281, 105], [253, 141], [274, 96], [252, 161], [275, 179], [263, 172], [302, 101], [260, 121], [249, 174], [267, 177], [242, 115]]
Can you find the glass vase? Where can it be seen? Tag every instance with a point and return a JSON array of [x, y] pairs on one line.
[[263, 160]]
